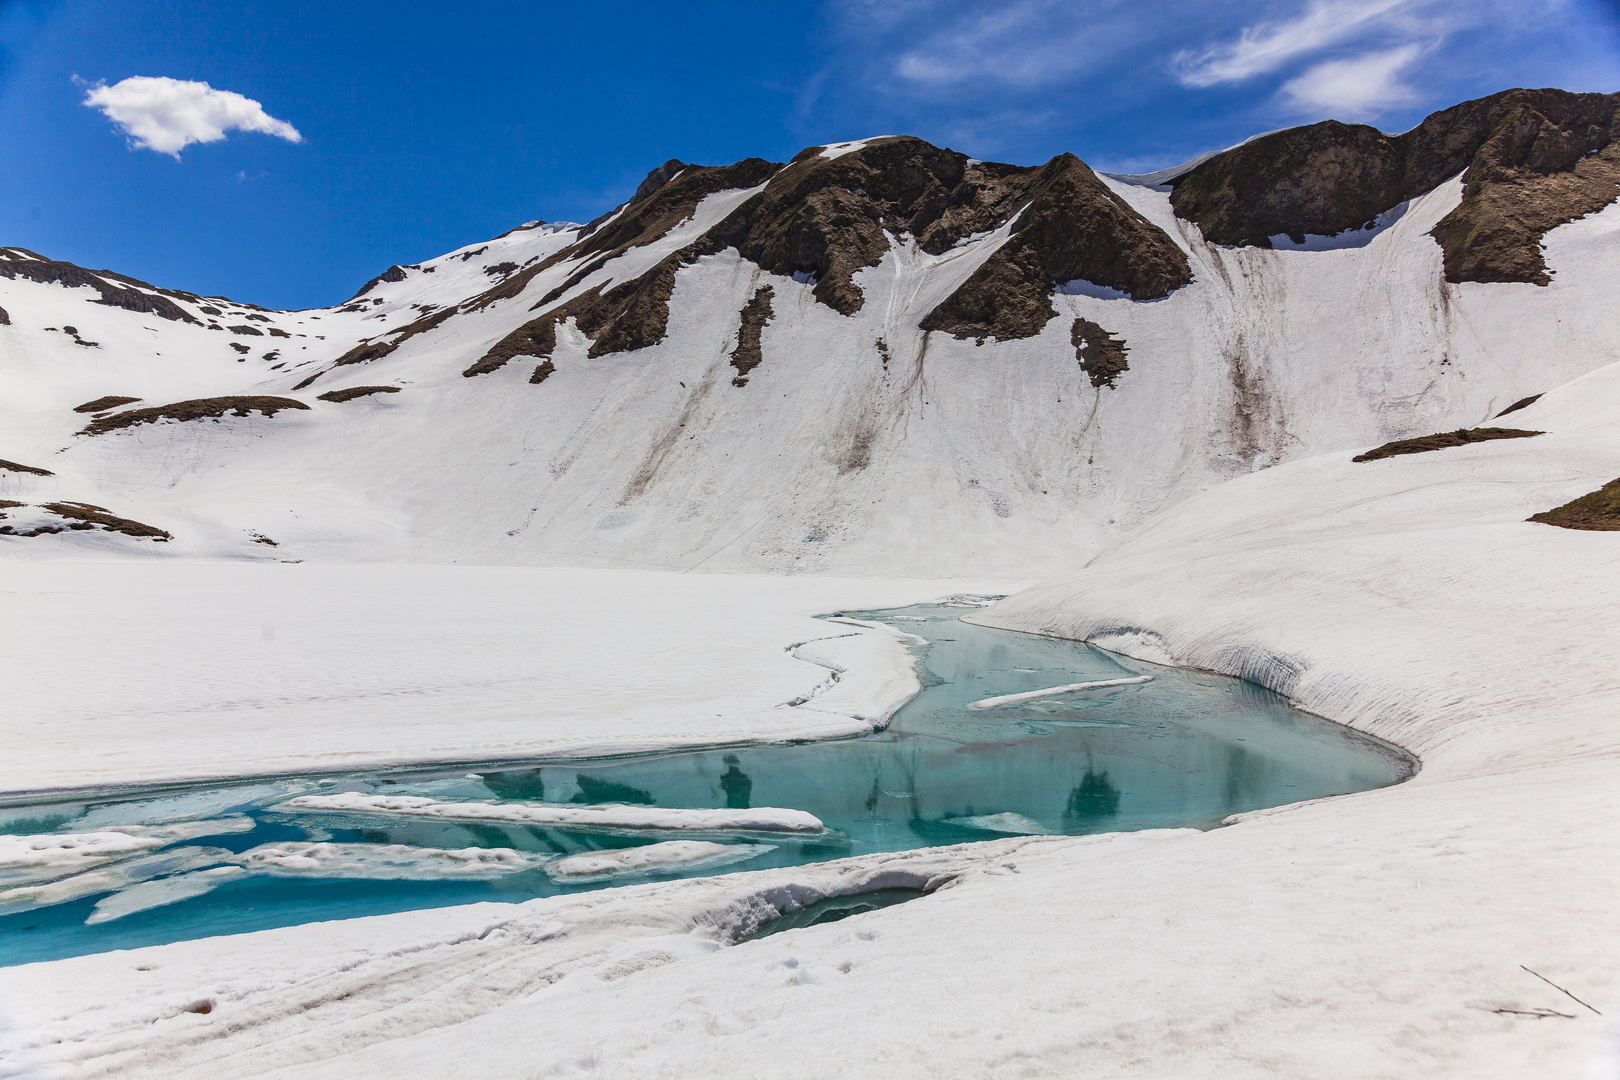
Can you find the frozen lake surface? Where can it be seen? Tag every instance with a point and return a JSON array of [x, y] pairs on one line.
[[1184, 748]]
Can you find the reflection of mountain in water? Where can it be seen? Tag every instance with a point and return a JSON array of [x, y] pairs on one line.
[[592, 790], [1094, 798], [737, 785], [516, 784]]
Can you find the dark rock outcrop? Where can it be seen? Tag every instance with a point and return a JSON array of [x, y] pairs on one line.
[[1101, 354], [755, 315], [1073, 228], [392, 274], [1534, 159], [195, 409], [349, 393], [114, 289]]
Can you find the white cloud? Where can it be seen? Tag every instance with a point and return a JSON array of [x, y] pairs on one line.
[[1357, 88], [1267, 47], [167, 115]]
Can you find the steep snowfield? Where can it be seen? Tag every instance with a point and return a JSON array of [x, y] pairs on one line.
[[943, 458]]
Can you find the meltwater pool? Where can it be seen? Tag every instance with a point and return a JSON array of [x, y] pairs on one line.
[[1186, 748]]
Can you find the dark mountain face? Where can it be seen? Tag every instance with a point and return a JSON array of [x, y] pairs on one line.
[[1534, 159]]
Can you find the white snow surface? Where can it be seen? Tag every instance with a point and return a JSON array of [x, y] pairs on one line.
[[235, 669], [950, 459], [1381, 934], [601, 815]]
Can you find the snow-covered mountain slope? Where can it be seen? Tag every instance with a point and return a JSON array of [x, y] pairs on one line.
[[854, 362]]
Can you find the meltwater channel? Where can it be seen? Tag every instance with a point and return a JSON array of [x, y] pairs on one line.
[[1187, 748]]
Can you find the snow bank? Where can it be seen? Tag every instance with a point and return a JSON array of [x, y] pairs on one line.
[[601, 816]]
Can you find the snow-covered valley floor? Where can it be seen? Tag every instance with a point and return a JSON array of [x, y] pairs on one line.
[[1414, 930]]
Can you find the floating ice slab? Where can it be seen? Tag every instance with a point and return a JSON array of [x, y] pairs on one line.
[[685, 854], [399, 862], [1053, 691], [606, 816], [1006, 822], [150, 894], [108, 878], [26, 859]]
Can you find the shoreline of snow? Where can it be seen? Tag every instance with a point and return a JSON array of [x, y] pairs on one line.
[[274, 671]]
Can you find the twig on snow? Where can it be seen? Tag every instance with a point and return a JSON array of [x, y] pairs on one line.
[[1560, 989]]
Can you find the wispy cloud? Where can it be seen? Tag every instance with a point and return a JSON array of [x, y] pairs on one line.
[[168, 115], [1355, 89], [1267, 47]]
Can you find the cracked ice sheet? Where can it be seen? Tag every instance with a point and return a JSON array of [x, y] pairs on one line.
[[283, 669]]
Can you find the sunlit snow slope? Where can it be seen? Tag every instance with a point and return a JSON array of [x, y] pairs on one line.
[[722, 426]]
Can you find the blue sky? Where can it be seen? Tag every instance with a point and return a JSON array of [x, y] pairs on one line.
[[423, 127]]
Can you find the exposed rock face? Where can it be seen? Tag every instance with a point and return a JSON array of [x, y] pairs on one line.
[[114, 289], [831, 217], [393, 273], [5, 320], [1101, 355], [747, 355], [1073, 228], [1534, 159]]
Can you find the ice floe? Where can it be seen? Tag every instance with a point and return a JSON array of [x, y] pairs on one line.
[[398, 862], [604, 816], [1053, 691]]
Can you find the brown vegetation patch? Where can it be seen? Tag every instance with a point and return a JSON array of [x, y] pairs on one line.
[[5, 320], [102, 404], [1520, 404], [1101, 355], [12, 466], [1535, 159], [196, 409], [114, 289], [755, 315], [352, 392], [309, 380], [1596, 512], [542, 371], [92, 515], [1460, 437], [502, 269]]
